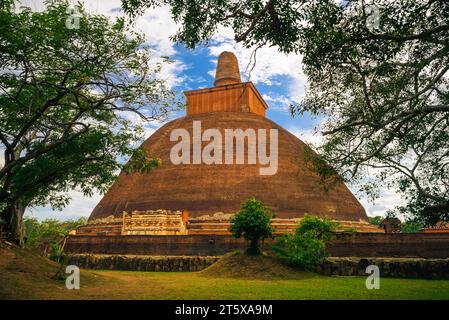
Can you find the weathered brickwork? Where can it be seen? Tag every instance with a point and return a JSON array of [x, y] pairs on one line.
[[201, 189], [204, 189], [424, 245]]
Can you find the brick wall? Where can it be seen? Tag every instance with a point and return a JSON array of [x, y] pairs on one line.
[[424, 245], [417, 268], [155, 245], [392, 245]]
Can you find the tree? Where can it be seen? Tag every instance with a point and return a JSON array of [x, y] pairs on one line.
[[385, 95], [74, 93], [49, 230], [410, 226], [253, 223], [255, 22], [383, 88]]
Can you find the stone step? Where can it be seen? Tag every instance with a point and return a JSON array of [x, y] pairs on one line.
[[99, 227], [222, 223], [207, 226], [93, 232], [210, 232], [104, 233], [226, 231], [283, 221], [148, 229], [98, 231], [214, 226], [196, 221], [115, 225], [198, 226]]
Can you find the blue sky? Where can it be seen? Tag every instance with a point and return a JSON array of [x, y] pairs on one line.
[[278, 77]]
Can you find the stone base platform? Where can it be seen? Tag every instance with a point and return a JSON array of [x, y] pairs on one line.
[[418, 268], [142, 262], [221, 227], [169, 223], [415, 268]]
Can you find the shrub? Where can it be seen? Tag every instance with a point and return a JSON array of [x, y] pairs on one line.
[[48, 238], [306, 247], [253, 222], [302, 251]]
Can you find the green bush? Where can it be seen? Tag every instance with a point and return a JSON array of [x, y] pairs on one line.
[[253, 222], [303, 251], [306, 247]]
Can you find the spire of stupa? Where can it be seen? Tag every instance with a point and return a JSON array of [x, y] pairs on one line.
[[227, 69]]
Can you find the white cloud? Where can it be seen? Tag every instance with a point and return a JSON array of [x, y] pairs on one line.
[[388, 200], [155, 23], [80, 206], [309, 136], [2, 159], [270, 63], [157, 26], [278, 102]]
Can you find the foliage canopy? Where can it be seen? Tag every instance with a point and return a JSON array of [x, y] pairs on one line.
[[306, 248], [253, 223], [381, 87], [73, 105]]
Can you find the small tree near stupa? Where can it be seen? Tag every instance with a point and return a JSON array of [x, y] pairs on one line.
[[253, 222]]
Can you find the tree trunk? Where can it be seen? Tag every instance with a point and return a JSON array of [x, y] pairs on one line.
[[14, 223], [253, 248]]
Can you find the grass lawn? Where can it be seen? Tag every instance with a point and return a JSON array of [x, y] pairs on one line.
[[24, 275], [139, 285]]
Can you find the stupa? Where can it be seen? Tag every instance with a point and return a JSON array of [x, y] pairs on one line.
[[195, 197]]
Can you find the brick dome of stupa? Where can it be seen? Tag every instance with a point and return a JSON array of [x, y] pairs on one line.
[[204, 189]]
